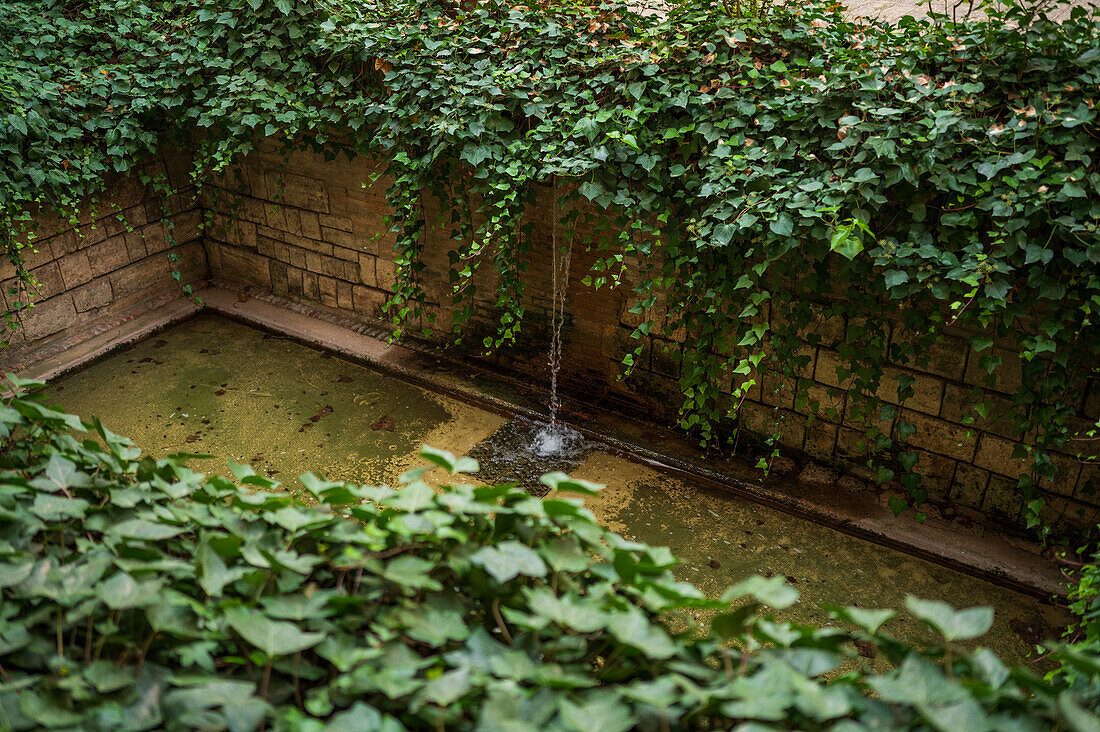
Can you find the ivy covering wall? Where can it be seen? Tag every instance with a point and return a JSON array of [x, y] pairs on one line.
[[905, 179]]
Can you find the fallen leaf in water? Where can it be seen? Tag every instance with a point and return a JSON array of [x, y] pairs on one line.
[[220, 392], [385, 422], [160, 344], [322, 412], [306, 426], [192, 438], [344, 379], [865, 648], [715, 564]]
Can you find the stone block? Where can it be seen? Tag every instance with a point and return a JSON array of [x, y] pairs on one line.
[[62, 244], [244, 265], [1065, 478], [294, 281], [1091, 407], [968, 487], [344, 298], [327, 288], [945, 358], [91, 234], [825, 329], [385, 274], [107, 257], [156, 238], [47, 317], [1007, 376], [348, 255], [937, 473], [297, 190], [958, 407], [332, 221], [825, 372], [367, 270], [310, 287], [49, 280], [279, 284], [764, 421], [927, 394], [140, 277], [664, 358], [368, 301], [293, 221], [310, 245], [995, 455], [95, 294], [135, 246], [188, 225], [856, 416], [310, 223], [774, 389], [1088, 484], [940, 437], [342, 238], [1003, 500], [266, 247], [820, 439], [824, 402]]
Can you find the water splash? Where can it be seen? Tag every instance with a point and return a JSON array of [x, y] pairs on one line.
[[556, 440], [522, 450]]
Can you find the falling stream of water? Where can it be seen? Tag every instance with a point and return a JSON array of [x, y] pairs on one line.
[[554, 438]]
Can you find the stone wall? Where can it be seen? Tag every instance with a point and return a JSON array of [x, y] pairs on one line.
[[113, 256], [324, 241], [313, 231]]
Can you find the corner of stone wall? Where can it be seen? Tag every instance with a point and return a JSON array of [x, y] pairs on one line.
[[113, 256]]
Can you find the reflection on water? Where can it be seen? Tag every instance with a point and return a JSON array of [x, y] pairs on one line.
[[214, 386]]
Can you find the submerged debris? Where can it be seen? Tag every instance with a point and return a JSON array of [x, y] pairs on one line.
[[385, 422]]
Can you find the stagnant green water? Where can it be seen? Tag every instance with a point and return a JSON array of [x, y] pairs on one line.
[[213, 386]]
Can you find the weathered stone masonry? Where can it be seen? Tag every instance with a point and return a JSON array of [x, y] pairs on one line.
[[113, 256], [312, 230]]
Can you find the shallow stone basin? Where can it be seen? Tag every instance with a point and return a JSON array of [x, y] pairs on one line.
[[213, 386]]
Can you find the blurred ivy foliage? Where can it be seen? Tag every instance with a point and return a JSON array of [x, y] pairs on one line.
[[756, 172], [136, 593]]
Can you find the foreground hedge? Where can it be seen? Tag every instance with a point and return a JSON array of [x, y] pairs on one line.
[[136, 593]]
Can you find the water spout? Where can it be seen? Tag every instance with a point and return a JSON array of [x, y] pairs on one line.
[[561, 262], [555, 439]]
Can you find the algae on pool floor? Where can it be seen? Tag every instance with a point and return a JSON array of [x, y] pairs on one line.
[[211, 385], [721, 539]]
